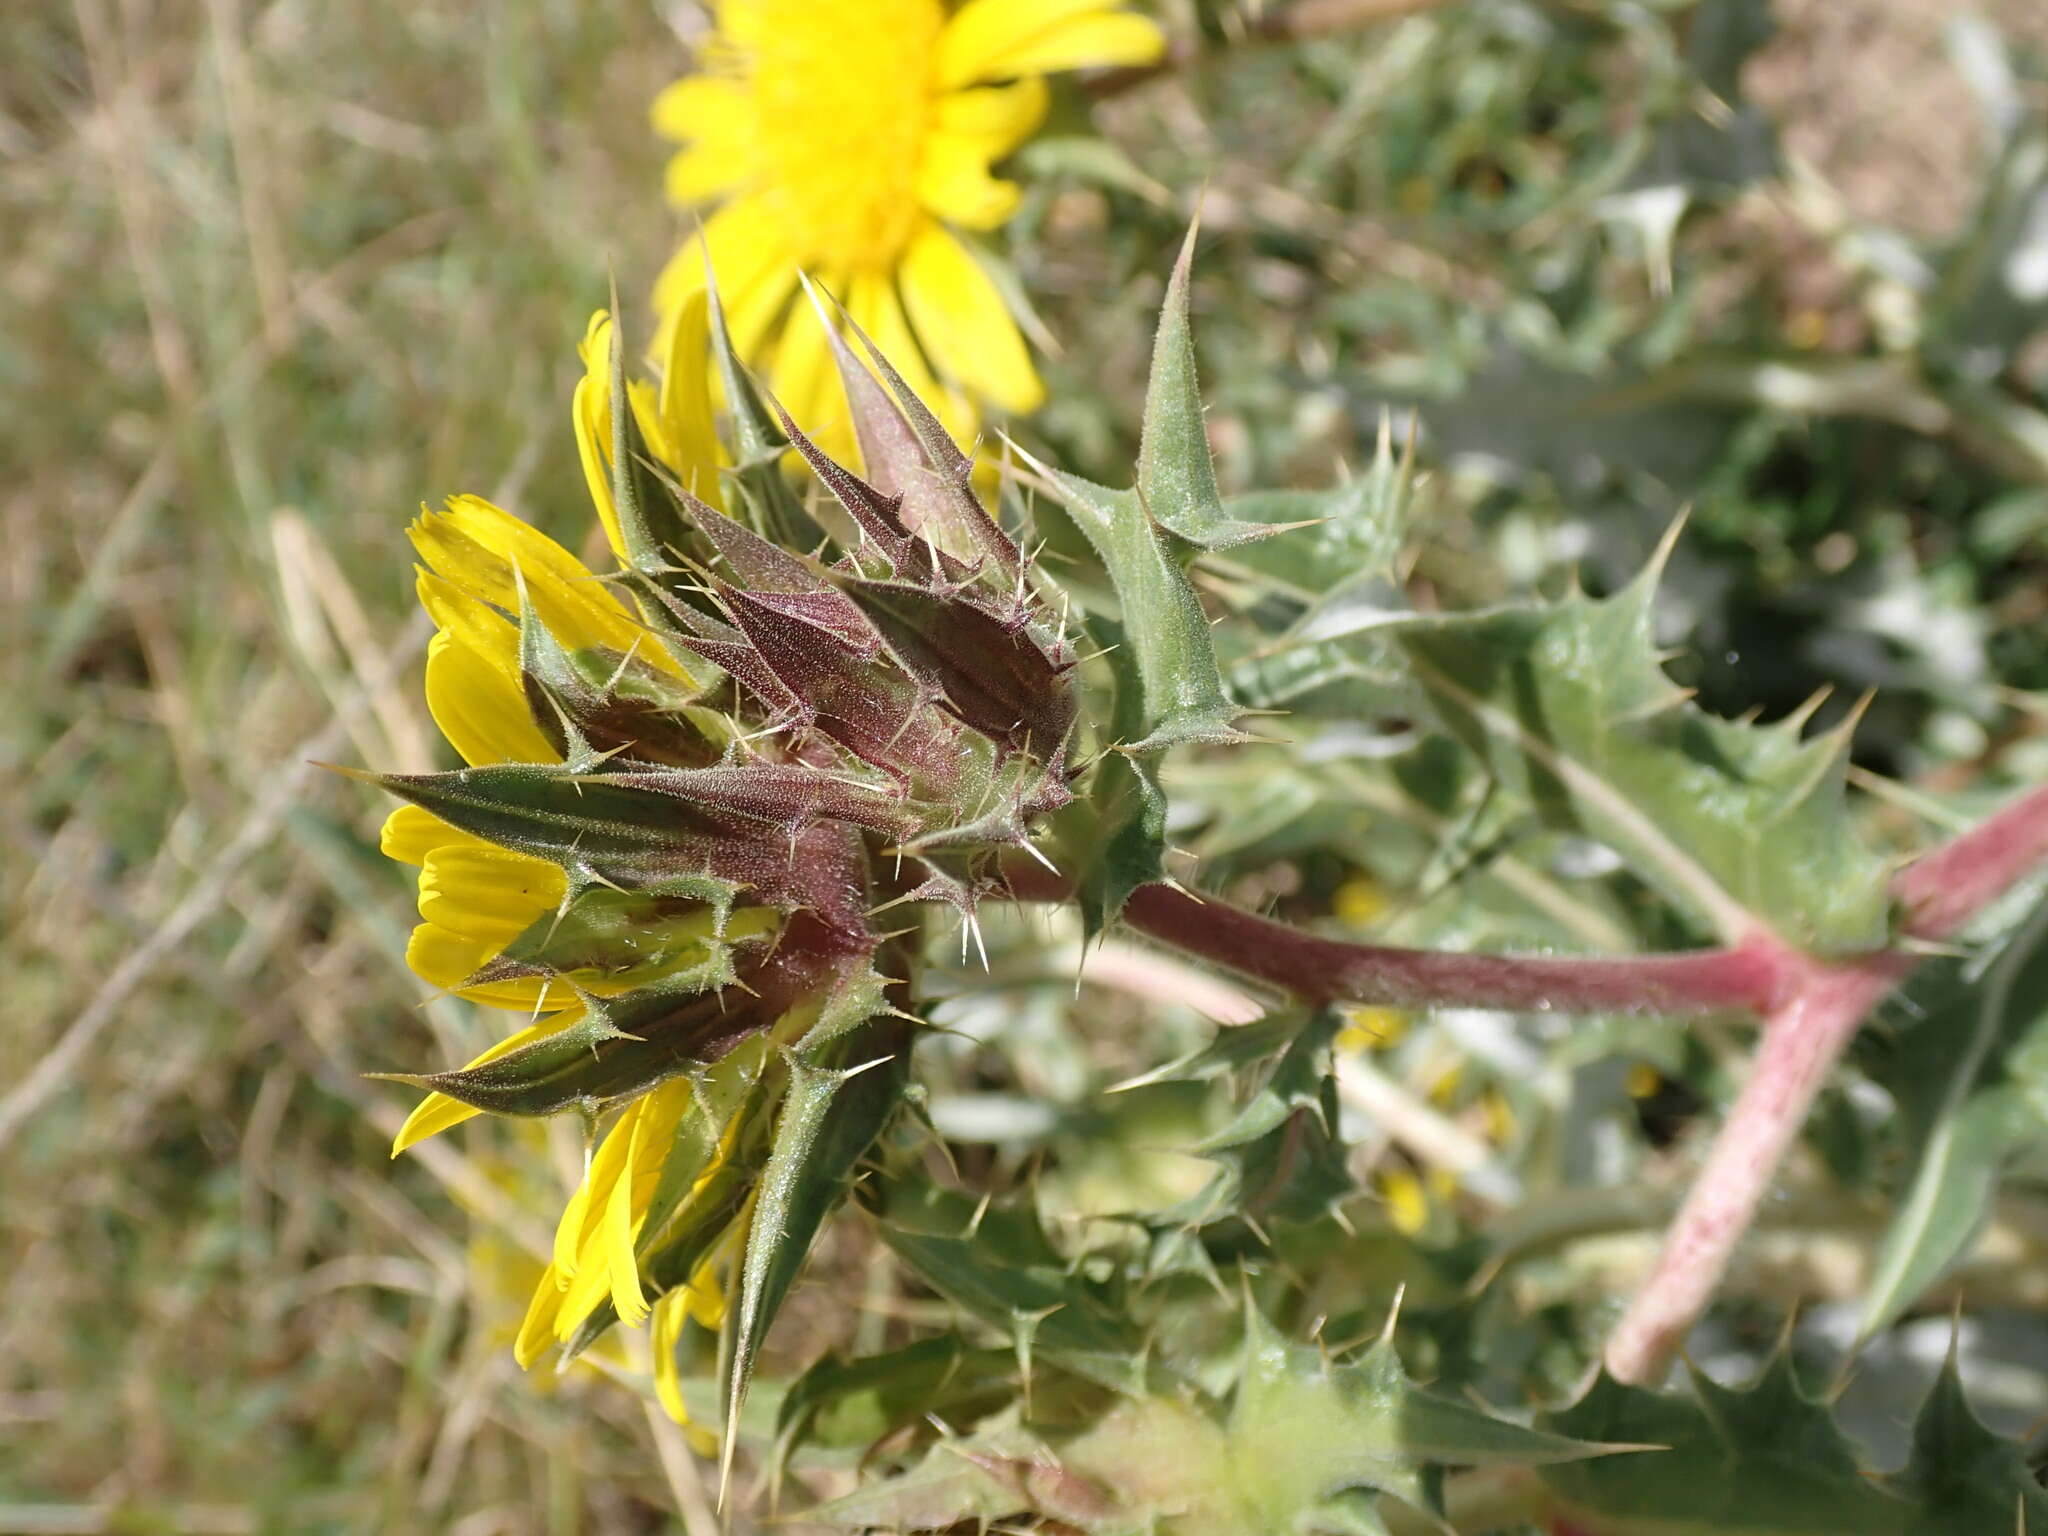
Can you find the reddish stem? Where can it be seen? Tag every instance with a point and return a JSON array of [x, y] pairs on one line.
[[1802, 1040], [1944, 890], [1812, 1009], [1804, 1036], [1748, 977]]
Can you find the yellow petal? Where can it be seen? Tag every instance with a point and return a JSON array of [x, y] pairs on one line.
[[704, 1296], [437, 1112], [487, 893], [669, 1315], [704, 171], [590, 416], [805, 382], [700, 107], [445, 959], [477, 547], [747, 248], [410, 834], [962, 321], [999, 116], [537, 1331], [953, 182], [481, 711], [684, 405], [470, 623], [616, 1230], [1001, 39], [585, 1234], [1406, 1201]]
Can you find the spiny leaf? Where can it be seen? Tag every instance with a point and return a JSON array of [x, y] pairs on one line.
[[1114, 839], [996, 1263], [622, 1047], [857, 1402], [1304, 1446], [601, 934], [938, 487], [551, 813], [785, 795], [1165, 628], [1176, 480], [1961, 1477], [846, 1078], [971, 1481], [596, 701], [1764, 1459], [1281, 1155], [636, 498], [1737, 824]]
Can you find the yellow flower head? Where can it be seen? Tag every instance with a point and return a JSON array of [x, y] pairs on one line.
[[479, 566], [853, 142], [660, 851]]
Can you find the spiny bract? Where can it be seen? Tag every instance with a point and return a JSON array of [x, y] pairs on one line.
[[694, 789]]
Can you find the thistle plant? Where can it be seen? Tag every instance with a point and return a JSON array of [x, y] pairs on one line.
[[725, 804]]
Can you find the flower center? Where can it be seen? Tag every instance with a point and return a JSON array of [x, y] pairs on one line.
[[841, 95]]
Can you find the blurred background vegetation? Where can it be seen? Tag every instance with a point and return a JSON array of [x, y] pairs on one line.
[[275, 272]]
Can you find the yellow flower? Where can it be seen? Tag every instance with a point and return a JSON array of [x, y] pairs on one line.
[[478, 563], [854, 142], [598, 1241]]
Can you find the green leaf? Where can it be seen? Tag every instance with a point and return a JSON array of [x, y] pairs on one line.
[[1961, 1477], [1735, 823], [1765, 1460], [1281, 1156], [1304, 1446], [996, 1263], [1955, 1066], [847, 1076], [1165, 628], [1113, 839]]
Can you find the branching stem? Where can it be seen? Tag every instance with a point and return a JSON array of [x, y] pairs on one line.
[[1810, 1010]]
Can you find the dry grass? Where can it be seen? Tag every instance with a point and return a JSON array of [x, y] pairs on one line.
[[274, 274]]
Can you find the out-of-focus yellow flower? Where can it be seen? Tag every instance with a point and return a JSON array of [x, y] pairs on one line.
[[854, 142], [1359, 902], [1372, 1029], [1410, 1197]]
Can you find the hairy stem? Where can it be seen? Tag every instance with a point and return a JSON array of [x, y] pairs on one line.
[[1941, 892], [1804, 1036], [1750, 976], [1802, 1040]]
